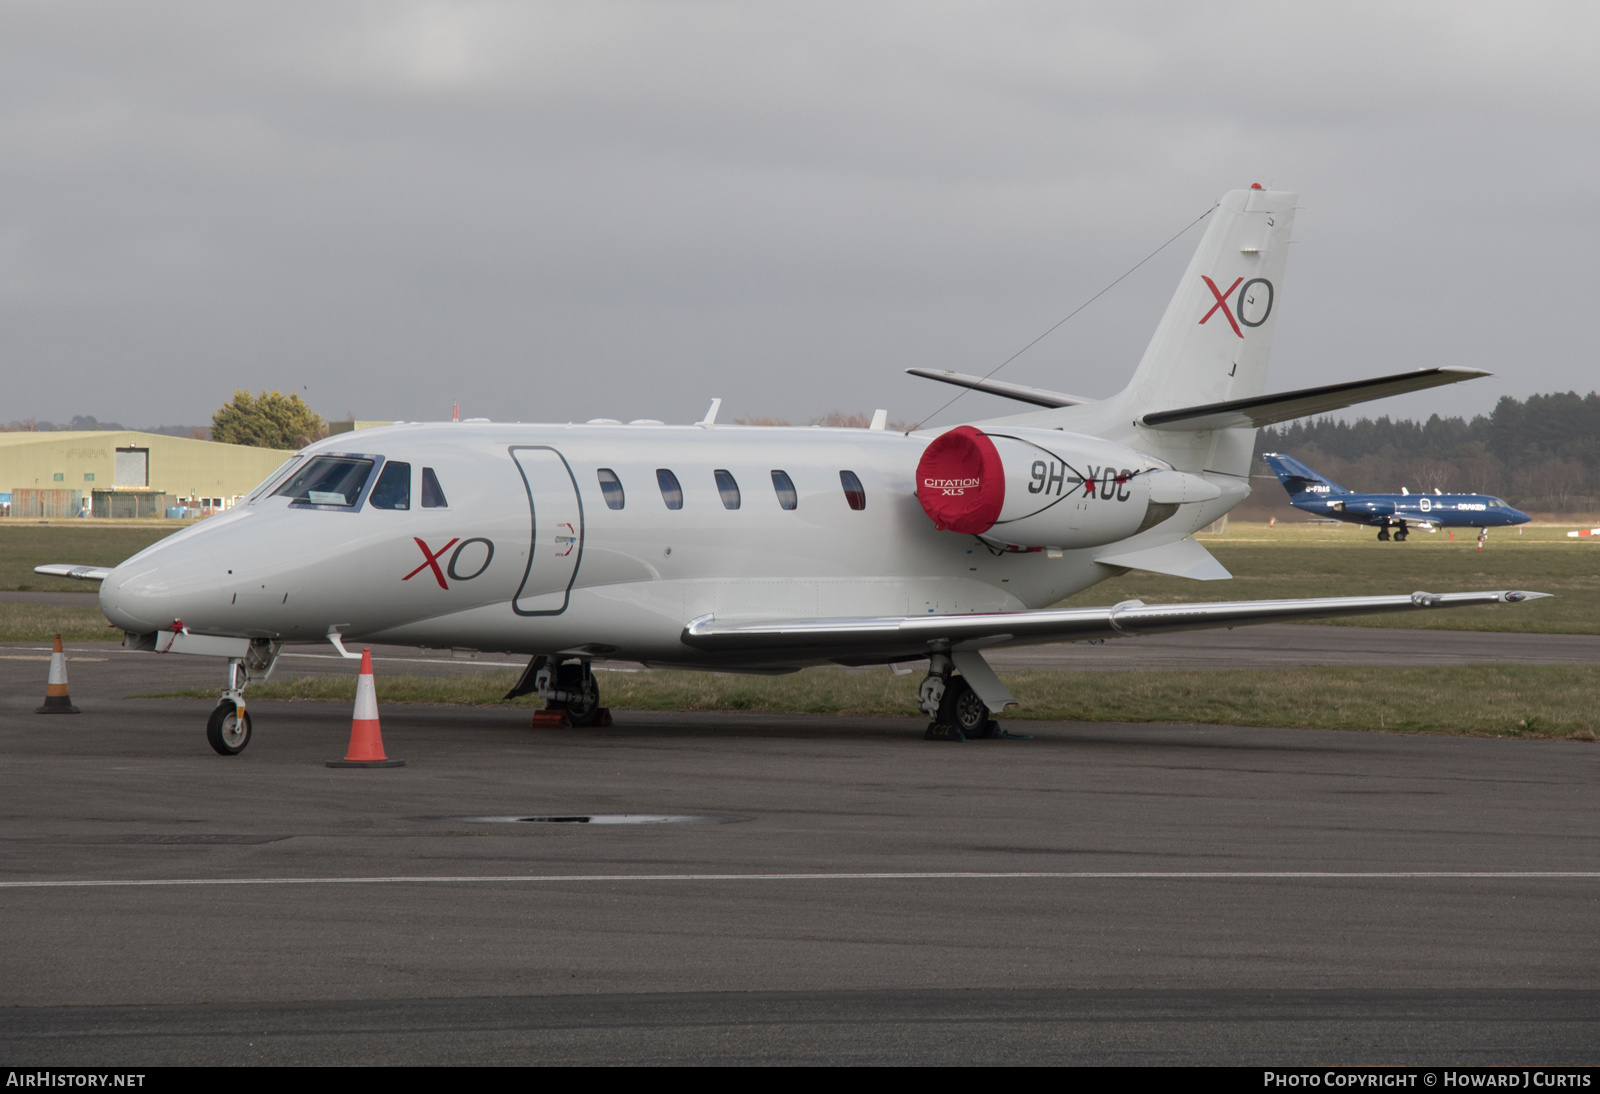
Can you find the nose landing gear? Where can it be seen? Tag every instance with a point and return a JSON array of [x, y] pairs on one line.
[[228, 728]]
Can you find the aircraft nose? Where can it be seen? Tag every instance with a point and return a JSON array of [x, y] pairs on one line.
[[137, 596]]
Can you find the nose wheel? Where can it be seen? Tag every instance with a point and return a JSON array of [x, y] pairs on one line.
[[228, 728]]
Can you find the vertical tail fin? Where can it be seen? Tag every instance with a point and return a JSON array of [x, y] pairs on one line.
[[1297, 478], [1214, 340]]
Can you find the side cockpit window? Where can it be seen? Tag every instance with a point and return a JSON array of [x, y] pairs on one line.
[[432, 492], [394, 487], [611, 487], [334, 481]]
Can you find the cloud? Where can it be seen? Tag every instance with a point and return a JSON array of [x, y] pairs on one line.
[[573, 210]]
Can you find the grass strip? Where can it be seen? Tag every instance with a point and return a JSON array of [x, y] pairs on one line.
[[41, 622], [1477, 700]]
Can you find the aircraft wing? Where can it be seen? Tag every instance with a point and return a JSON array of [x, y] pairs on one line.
[[82, 573], [868, 640], [1285, 406]]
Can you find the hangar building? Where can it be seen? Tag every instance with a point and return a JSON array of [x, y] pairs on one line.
[[124, 473]]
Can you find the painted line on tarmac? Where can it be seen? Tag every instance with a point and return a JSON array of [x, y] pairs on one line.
[[1028, 875]]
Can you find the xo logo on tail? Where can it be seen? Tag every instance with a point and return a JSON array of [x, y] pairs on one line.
[[1253, 306], [430, 560]]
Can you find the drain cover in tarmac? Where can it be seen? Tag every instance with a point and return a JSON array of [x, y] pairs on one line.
[[603, 818]]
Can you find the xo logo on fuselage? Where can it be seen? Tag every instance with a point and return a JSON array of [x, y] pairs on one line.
[[1252, 307], [469, 559]]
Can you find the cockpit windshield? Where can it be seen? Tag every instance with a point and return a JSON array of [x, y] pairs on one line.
[[328, 480], [261, 487]]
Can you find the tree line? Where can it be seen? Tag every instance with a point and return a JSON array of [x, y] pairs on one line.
[[1542, 453]]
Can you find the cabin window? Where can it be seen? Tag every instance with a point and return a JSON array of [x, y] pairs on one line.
[[784, 485], [328, 480], [728, 488], [854, 492], [671, 492], [432, 492], [394, 487], [611, 487]]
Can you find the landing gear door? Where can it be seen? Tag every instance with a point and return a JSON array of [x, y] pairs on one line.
[[556, 544]]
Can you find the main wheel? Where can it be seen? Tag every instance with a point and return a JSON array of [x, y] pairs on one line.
[[961, 707], [578, 680], [228, 728], [1400, 536], [1383, 535]]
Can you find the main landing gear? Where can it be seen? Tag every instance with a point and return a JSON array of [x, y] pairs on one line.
[[228, 728], [569, 690], [958, 713], [1400, 533]]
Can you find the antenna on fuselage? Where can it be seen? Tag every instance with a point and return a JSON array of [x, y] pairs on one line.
[[711, 413]]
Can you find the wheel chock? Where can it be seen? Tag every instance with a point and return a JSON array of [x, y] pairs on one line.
[[56, 699], [550, 718], [558, 718], [937, 732]]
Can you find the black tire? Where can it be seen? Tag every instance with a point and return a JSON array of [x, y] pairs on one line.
[[1383, 535], [583, 710], [962, 708], [1400, 537], [228, 729]]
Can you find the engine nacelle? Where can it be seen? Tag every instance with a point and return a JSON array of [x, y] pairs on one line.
[[1044, 488]]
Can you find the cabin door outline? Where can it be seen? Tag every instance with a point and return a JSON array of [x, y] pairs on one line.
[[555, 534]]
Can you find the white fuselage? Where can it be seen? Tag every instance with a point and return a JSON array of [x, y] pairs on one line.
[[527, 556]]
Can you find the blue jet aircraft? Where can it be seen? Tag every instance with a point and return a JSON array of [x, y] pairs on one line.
[[1401, 512]]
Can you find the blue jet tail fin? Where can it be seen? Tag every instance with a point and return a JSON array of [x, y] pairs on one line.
[[1297, 478]]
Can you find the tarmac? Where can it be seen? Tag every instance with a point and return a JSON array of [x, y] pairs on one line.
[[843, 892]]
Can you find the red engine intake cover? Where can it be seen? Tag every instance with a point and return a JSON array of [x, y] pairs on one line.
[[960, 481]]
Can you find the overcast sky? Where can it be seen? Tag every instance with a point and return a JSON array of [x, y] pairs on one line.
[[554, 211]]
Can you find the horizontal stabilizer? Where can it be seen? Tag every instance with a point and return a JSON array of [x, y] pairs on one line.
[[1185, 558], [1038, 396], [82, 573], [1263, 410], [901, 638]]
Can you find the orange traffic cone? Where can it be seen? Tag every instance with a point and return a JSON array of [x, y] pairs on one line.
[[366, 740], [56, 699]]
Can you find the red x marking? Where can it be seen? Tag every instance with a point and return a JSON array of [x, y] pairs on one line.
[[1222, 302], [432, 558]]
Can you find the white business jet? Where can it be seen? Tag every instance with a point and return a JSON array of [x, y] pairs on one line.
[[762, 549]]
